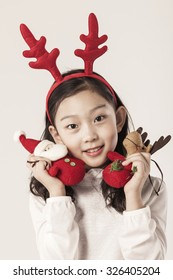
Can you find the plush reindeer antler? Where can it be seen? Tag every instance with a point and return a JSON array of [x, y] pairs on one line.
[[92, 41], [45, 60], [160, 143]]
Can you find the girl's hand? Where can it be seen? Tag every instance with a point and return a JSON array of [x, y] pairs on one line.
[[39, 167], [141, 163]]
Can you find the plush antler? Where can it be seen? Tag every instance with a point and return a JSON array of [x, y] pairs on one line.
[[160, 143], [45, 60], [92, 41], [146, 142]]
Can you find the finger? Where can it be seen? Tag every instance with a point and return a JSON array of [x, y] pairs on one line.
[[39, 169], [46, 164], [33, 158], [137, 157], [141, 154], [33, 163], [141, 165], [29, 164]]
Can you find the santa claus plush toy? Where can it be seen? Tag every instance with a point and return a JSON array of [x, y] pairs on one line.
[[68, 169]]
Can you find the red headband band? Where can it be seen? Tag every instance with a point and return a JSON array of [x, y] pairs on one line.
[[46, 60]]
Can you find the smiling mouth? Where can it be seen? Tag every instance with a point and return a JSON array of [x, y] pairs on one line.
[[94, 151]]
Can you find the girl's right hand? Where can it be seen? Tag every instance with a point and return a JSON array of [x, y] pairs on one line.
[[39, 167]]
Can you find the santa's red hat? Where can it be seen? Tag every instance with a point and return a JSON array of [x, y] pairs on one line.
[[28, 143]]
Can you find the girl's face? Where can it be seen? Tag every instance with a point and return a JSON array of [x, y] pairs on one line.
[[87, 124]]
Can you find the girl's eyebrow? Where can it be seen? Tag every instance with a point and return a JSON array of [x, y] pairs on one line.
[[91, 111]]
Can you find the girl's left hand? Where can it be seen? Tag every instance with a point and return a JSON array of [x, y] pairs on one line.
[[133, 189]]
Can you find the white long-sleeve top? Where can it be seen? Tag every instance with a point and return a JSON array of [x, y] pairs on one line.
[[89, 230]]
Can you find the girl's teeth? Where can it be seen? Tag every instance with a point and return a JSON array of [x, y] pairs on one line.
[[93, 150]]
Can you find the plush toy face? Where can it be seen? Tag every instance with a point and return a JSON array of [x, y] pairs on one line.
[[133, 143], [50, 150]]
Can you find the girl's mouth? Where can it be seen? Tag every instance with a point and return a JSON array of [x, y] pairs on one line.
[[94, 151]]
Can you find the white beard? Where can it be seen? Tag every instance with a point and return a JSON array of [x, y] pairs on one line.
[[50, 150]]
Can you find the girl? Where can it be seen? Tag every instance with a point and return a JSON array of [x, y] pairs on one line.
[[92, 220]]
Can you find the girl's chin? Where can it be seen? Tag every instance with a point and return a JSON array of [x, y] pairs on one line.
[[103, 165]]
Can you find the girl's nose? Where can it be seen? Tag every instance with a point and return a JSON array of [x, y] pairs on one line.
[[89, 134]]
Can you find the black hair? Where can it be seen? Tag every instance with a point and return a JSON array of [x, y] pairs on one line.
[[113, 197]]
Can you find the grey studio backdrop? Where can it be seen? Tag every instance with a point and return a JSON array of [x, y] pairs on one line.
[[138, 64]]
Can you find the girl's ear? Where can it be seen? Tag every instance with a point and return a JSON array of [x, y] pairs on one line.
[[121, 117], [55, 135]]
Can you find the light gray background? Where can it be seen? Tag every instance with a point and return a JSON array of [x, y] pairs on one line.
[[139, 65]]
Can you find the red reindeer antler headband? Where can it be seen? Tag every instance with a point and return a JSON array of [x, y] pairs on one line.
[[46, 60]]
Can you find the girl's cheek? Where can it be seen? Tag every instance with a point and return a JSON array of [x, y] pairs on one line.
[[71, 143]]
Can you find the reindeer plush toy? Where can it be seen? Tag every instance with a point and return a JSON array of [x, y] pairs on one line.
[[115, 174]]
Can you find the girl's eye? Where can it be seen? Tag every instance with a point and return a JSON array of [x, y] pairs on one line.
[[72, 126], [99, 119]]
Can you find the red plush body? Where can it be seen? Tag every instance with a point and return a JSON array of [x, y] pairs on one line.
[[115, 174], [69, 170]]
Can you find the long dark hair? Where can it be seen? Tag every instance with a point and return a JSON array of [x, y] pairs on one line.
[[113, 197]]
